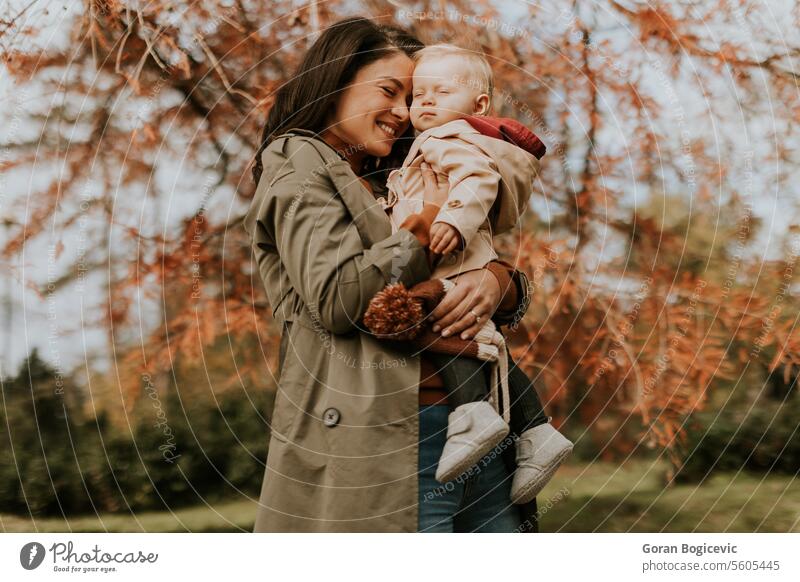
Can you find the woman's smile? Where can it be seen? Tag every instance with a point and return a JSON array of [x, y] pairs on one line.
[[372, 112], [389, 129]]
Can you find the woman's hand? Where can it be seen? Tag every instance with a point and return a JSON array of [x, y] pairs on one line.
[[435, 193], [476, 292]]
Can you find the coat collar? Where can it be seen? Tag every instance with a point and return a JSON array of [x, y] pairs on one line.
[[449, 129], [328, 152], [369, 217]]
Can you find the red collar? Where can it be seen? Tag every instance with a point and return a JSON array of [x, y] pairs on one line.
[[509, 130]]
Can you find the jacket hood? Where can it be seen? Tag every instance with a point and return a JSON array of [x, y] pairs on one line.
[[509, 130]]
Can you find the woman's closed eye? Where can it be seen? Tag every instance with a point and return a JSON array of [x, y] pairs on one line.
[[389, 91]]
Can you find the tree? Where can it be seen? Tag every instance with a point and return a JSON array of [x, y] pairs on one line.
[[641, 246]]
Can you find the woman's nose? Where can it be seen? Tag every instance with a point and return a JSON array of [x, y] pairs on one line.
[[400, 111]]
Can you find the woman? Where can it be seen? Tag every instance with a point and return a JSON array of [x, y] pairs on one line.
[[355, 431]]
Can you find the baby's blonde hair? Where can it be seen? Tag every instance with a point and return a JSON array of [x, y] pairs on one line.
[[481, 71]]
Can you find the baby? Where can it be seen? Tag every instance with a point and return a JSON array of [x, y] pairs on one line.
[[490, 178]]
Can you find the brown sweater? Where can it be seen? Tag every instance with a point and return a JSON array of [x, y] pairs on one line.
[[431, 387]]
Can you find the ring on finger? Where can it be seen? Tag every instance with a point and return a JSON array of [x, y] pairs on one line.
[[477, 317]]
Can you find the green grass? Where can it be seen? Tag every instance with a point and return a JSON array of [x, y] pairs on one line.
[[601, 497], [230, 516], [634, 497]]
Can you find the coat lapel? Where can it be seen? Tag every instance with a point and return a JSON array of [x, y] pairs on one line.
[[369, 217]]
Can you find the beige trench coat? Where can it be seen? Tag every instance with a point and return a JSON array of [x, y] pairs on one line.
[[344, 434], [343, 447]]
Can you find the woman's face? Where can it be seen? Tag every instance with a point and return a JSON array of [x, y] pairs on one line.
[[372, 112]]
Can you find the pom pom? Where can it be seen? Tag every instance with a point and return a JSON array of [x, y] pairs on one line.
[[394, 314]]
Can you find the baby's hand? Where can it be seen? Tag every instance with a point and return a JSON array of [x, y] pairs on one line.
[[444, 238]]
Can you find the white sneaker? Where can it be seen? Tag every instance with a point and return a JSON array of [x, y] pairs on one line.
[[473, 429], [540, 452]]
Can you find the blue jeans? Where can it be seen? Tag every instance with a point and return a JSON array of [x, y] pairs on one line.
[[478, 501]]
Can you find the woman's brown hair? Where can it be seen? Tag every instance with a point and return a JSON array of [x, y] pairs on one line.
[[328, 66]]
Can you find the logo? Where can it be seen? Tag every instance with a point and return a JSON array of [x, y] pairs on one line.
[[31, 555]]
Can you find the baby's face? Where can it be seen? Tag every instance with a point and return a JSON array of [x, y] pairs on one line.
[[443, 90]]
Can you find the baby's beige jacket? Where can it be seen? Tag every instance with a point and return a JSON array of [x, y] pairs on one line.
[[490, 182]]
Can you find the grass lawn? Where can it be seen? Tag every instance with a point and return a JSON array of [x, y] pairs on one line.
[[230, 516], [633, 497], [599, 497]]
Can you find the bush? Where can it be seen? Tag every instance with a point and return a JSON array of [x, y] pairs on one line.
[[54, 460], [766, 439], [38, 470]]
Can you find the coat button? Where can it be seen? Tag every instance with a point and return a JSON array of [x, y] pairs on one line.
[[330, 417], [454, 203]]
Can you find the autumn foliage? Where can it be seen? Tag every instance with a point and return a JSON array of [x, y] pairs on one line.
[[650, 291]]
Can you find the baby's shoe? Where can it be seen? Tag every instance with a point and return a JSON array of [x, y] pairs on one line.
[[540, 452], [473, 429]]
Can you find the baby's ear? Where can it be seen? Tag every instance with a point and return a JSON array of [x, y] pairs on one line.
[[482, 104]]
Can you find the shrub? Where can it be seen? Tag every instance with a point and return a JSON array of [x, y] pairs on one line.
[[766, 439], [55, 460]]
